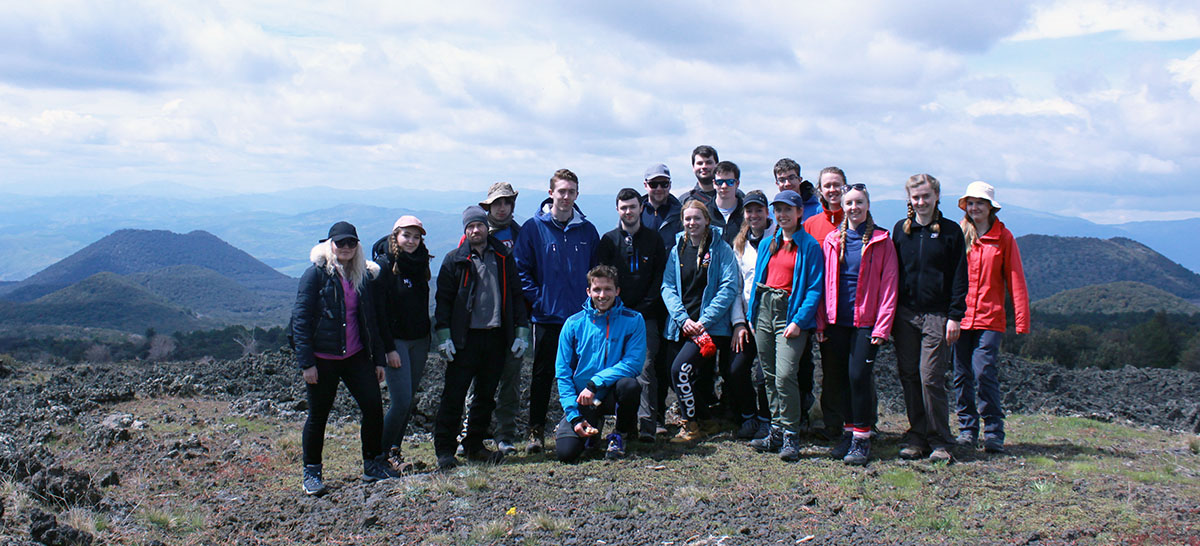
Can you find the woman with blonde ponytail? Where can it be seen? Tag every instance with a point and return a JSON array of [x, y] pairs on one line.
[[860, 305], [993, 264], [932, 301]]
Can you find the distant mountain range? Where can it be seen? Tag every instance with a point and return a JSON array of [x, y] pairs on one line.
[[279, 228], [132, 280], [1114, 298], [1054, 264]]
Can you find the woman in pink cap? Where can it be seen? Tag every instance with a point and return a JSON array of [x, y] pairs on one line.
[[404, 326], [993, 265]]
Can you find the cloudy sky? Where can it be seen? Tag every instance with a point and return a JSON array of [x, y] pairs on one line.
[[1075, 107]]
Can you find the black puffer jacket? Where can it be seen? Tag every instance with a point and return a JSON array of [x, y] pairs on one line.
[[456, 285], [319, 316], [403, 291]]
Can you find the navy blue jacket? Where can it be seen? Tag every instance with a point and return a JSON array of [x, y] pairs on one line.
[[553, 262]]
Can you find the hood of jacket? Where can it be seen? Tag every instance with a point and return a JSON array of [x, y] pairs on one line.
[[322, 256], [545, 213]]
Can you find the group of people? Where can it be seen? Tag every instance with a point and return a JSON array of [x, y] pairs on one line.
[[717, 295]]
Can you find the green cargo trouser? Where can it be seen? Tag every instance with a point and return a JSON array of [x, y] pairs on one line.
[[780, 357]]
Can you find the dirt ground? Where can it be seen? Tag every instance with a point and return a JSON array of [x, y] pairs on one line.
[[208, 453]]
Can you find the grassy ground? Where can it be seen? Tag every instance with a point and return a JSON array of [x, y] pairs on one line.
[[1064, 480]]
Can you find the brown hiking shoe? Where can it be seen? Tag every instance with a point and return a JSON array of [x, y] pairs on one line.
[[689, 431], [940, 455], [537, 440]]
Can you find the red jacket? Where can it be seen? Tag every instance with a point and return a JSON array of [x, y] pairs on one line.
[[992, 263], [820, 225], [878, 278]]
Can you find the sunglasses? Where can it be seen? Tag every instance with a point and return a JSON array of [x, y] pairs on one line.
[[725, 182], [346, 243], [656, 185], [848, 187]]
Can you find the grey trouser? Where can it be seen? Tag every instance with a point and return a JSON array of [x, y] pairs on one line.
[[923, 359], [780, 357], [648, 407]]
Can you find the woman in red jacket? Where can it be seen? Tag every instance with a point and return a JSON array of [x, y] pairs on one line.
[[860, 305], [993, 265]]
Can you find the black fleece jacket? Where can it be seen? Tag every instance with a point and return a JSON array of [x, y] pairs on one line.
[[640, 268], [403, 291], [933, 268]]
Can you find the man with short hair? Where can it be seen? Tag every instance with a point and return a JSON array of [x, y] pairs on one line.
[[478, 320], [704, 163], [554, 252], [600, 352], [726, 208], [787, 177], [830, 184], [638, 254], [660, 209]]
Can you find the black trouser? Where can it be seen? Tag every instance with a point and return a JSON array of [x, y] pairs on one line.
[[622, 400], [545, 352], [691, 374], [739, 385], [804, 376], [854, 363], [481, 358], [833, 386], [358, 374]]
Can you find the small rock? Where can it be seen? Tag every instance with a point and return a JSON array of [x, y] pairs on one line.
[[64, 486], [110, 479], [44, 528], [370, 521], [1033, 537]]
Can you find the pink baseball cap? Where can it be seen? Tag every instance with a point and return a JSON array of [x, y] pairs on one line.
[[409, 221]]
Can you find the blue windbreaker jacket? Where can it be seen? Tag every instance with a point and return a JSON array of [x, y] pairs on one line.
[[598, 347], [553, 263], [808, 285], [724, 281]]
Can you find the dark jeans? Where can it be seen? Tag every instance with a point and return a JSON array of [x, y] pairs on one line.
[[975, 356], [402, 385], [854, 364], [358, 374], [622, 400], [691, 374], [653, 378], [545, 352], [740, 386], [481, 359], [922, 359]]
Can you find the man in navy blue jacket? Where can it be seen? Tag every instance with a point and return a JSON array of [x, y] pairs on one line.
[[600, 354], [555, 250]]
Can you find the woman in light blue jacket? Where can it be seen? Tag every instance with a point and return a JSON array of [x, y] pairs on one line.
[[699, 288]]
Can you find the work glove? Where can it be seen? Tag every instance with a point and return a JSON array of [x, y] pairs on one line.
[[520, 343], [446, 346]]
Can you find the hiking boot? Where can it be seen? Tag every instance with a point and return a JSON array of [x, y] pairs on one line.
[[764, 429], [790, 451], [660, 429], [537, 440], [771, 443], [314, 484], [749, 429], [967, 438], [616, 446], [840, 450], [993, 445], [940, 455], [689, 431], [446, 462], [461, 450], [860, 451], [485, 455], [395, 461], [911, 452], [506, 447], [377, 469]]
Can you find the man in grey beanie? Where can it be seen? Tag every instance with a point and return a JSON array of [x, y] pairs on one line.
[[479, 318]]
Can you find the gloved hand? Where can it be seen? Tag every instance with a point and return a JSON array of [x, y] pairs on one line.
[[521, 343], [445, 344]]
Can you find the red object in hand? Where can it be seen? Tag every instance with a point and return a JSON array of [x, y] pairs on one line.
[[707, 347]]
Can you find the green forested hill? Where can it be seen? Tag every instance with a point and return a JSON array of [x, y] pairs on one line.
[[104, 300], [1114, 298], [1054, 264]]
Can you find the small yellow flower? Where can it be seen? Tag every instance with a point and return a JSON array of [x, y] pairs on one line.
[[511, 511]]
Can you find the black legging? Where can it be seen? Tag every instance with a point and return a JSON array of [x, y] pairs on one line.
[[622, 400], [740, 385], [358, 374], [691, 374], [854, 361]]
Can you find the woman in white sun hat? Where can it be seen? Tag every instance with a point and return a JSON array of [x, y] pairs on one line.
[[993, 267]]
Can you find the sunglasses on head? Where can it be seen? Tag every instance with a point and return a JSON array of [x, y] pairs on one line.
[[859, 187], [660, 184], [346, 243], [725, 182]]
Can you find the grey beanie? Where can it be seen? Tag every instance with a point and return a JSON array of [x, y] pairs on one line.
[[474, 213]]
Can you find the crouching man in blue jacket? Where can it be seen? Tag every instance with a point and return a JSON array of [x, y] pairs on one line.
[[600, 354]]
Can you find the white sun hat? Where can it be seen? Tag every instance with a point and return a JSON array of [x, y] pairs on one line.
[[979, 190]]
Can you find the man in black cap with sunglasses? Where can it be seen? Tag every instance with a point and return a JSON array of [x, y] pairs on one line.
[[638, 254], [660, 209]]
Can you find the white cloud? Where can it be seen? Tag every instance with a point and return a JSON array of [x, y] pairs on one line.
[[1143, 21], [1026, 107], [1187, 72]]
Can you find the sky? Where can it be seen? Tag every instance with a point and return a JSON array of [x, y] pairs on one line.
[[1082, 108]]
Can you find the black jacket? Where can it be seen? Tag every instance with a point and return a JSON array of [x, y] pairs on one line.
[[319, 316], [933, 268], [456, 284], [729, 228], [403, 297], [640, 268]]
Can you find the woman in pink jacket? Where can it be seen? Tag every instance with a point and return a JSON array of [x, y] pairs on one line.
[[993, 265], [860, 303]]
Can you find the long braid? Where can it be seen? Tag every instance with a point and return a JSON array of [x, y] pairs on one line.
[[908, 221], [844, 229], [394, 253], [867, 233], [937, 216], [703, 248]]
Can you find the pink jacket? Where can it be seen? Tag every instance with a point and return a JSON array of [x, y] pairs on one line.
[[878, 275]]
